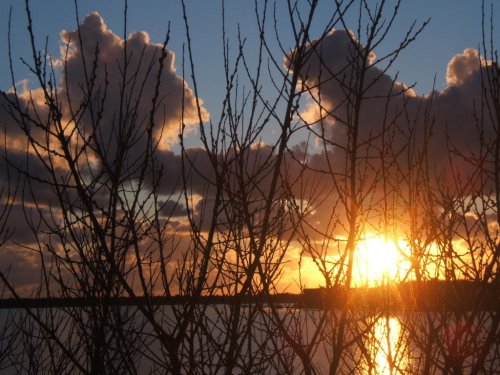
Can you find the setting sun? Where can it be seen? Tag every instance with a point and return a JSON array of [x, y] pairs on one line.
[[378, 260]]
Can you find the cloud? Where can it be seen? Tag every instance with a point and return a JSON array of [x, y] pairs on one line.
[[172, 208], [394, 122], [22, 269], [103, 100], [94, 94], [109, 101], [388, 107], [26, 223], [123, 91], [20, 112], [462, 66]]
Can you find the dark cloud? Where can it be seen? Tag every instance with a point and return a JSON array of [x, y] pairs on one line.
[[29, 175], [332, 71], [20, 110], [26, 224], [195, 166], [22, 269], [172, 208]]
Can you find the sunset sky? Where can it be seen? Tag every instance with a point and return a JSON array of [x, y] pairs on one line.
[[444, 51], [251, 186]]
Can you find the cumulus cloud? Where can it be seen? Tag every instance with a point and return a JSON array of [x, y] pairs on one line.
[[106, 90], [391, 114], [462, 66], [331, 74], [396, 128], [124, 75]]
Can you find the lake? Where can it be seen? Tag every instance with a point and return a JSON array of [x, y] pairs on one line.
[[258, 339]]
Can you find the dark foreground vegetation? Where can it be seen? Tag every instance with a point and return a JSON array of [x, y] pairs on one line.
[[163, 235]]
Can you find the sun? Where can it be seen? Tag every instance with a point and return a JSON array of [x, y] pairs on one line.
[[380, 260]]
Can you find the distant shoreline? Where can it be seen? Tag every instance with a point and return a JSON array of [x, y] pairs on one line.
[[19, 303], [434, 295]]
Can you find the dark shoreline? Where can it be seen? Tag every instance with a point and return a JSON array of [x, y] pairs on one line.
[[431, 295], [17, 303]]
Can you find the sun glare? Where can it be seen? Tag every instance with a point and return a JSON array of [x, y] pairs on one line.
[[386, 347], [378, 260]]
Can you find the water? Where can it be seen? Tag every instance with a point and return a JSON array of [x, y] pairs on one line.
[[263, 339]]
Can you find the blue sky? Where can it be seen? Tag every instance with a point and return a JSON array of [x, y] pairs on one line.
[[455, 25]]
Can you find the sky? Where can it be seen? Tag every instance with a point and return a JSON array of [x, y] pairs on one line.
[[442, 57], [455, 25]]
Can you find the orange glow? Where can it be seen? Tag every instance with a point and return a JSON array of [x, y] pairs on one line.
[[378, 260], [387, 348]]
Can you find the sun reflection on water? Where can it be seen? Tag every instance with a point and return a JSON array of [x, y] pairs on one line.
[[386, 347]]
